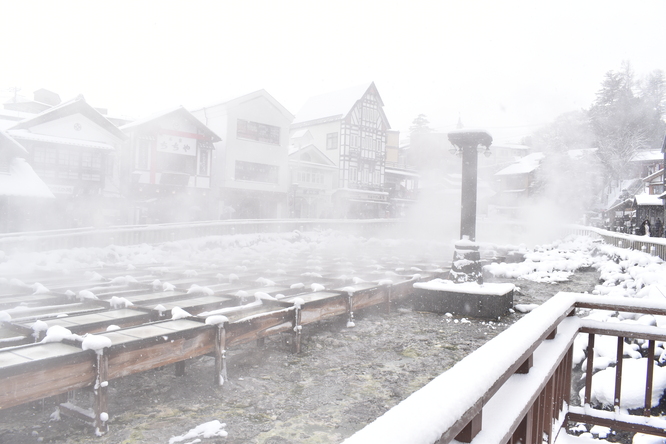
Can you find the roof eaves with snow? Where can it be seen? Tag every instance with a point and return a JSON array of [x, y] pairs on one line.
[[133, 126], [647, 156], [27, 135], [293, 156], [625, 202], [648, 200], [525, 165], [16, 148], [76, 105], [331, 106]]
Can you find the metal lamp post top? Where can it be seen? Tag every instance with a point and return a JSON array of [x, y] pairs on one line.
[[465, 138]]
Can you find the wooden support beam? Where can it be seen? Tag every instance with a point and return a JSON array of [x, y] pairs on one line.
[[649, 379], [220, 356], [180, 368], [526, 365], [350, 309], [616, 424], [297, 330], [590, 368], [85, 415], [552, 334], [523, 433], [618, 372], [472, 428], [388, 298], [100, 390]]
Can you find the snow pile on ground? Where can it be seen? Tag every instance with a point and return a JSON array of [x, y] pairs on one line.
[[206, 430], [553, 263], [632, 394]]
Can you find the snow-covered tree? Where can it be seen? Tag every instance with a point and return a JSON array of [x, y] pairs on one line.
[[626, 117], [420, 125], [569, 131]]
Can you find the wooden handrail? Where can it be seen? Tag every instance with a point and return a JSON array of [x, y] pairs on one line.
[[547, 408]]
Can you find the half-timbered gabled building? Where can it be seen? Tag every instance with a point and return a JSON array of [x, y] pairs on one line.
[[350, 127]]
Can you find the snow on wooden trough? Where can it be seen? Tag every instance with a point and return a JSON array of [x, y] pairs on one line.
[[487, 300]]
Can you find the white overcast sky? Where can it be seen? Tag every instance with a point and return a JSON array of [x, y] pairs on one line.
[[507, 66]]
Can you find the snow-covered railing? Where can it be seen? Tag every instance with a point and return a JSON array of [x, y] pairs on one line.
[[655, 246], [156, 233], [516, 387]]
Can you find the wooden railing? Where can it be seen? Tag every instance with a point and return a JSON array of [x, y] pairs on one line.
[[517, 387], [655, 246]]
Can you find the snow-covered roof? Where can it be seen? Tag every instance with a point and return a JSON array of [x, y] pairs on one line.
[[336, 104], [624, 203], [648, 156], [22, 181], [513, 146], [525, 165], [10, 114], [179, 110], [580, 153], [654, 175], [320, 158], [27, 135], [231, 101], [74, 106], [648, 200], [299, 133], [401, 172]]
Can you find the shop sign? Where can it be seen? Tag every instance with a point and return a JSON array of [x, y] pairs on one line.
[[61, 189], [167, 143]]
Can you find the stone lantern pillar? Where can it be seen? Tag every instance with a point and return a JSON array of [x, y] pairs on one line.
[[466, 266]]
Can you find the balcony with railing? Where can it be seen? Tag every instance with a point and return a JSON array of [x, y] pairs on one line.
[[517, 388]]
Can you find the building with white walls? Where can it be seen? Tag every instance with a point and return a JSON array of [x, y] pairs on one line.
[[75, 150], [250, 174]]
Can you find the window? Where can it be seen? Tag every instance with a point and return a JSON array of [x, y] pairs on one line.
[[310, 176], [258, 131], [68, 164], [332, 141], [256, 172], [352, 175], [91, 164]]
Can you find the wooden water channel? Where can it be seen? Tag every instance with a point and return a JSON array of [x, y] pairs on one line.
[[142, 330]]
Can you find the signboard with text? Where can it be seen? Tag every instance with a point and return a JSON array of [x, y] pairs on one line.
[[176, 145]]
